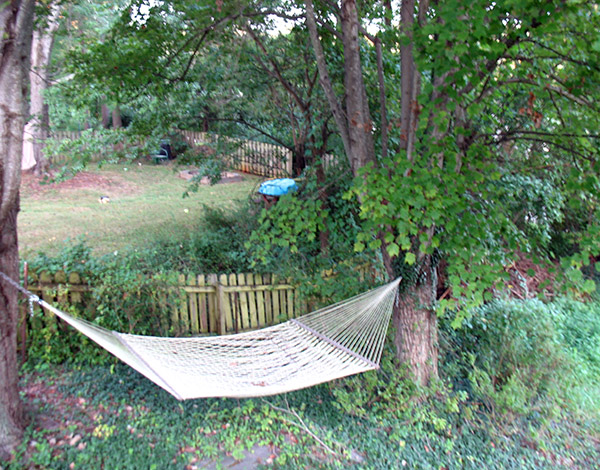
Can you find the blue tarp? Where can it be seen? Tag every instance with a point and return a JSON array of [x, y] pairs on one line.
[[277, 187]]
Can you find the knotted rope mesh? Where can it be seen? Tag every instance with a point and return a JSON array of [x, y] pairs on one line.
[[340, 340]]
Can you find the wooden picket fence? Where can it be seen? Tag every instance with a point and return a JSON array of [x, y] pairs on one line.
[[230, 303], [211, 304], [249, 156]]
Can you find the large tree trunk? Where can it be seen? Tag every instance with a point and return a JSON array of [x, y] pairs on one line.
[[414, 317], [415, 323], [41, 50], [359, 122], [11, 416], [16, 24]]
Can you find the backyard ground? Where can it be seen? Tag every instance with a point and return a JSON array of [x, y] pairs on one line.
[[105, 415], [145, 203]]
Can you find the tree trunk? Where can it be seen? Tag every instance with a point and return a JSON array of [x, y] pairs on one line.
[[324, 198], [414, 317], [41, 50], [415, 322], [11, 416], [354, 120], [16, 25], [105, 116], [299, 155], [117, 122], [359, 122], [408, 82]]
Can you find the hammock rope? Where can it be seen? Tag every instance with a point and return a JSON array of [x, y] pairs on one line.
[[330, 343]]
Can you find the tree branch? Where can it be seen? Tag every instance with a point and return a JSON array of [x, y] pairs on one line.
[[324, 77], [275, 71], [254, 127], [557, 90]]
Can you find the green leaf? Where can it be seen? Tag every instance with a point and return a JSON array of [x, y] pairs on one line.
[[410, 258], [393, 249], [589, 286]]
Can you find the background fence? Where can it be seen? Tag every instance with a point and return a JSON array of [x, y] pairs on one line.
[[249, 156], [210, 304]]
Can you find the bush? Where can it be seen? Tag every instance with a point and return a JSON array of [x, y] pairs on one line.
[[216, 247], [526, 358], [136, 291]]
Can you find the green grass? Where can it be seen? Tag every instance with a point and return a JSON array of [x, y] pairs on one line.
[[146, 204]]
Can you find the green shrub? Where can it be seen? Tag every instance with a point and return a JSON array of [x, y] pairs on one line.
[[526, 358], [215, 247]]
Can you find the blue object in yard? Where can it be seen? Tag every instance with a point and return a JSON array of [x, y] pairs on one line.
[[277, 187]]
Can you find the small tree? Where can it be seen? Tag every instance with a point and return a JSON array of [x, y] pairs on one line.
[[487, 92], [41, 50]]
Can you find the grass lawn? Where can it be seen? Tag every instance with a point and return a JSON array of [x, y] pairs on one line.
[[146, 204]]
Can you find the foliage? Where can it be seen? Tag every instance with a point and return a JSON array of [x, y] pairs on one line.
[[218, 247], [112, 416], [308, 239], [528, 359], [101, 145], [123, 297]]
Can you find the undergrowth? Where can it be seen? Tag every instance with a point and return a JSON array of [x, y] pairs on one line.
[[519, 389], [519, 385]]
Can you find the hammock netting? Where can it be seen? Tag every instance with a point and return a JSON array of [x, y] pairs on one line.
[[340, 340]]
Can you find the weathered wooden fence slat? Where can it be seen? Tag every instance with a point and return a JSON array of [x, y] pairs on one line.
[[211, 304], [193, 307]]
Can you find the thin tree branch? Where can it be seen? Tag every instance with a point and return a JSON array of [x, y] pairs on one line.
[[557, 90], [275, 71], [569, 150], [254, 127]]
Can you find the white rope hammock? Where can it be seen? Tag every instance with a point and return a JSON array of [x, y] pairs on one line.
[[340, 340]]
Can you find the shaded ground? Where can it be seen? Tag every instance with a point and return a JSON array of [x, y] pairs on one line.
[[65, 426]]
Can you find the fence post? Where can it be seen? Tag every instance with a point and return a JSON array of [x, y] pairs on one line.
[[220, 303]]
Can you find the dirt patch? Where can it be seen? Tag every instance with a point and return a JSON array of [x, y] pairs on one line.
[[34, 186], [226, 177]]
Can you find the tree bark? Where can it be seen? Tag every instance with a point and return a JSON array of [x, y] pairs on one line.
[[359, 122], [117, 122], [408, 81], [16, 26], [325, 79], [11, 414], [41, 50], [105, 115], [414, 317], [354, 120], [382, 100], [415, 322]]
